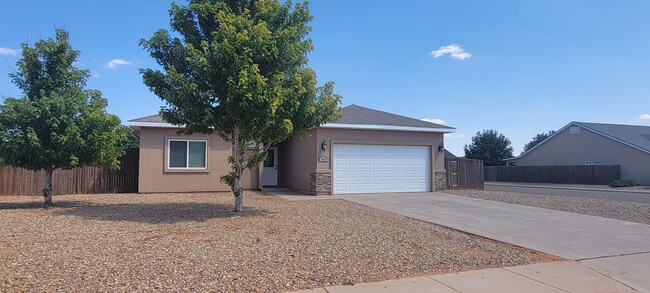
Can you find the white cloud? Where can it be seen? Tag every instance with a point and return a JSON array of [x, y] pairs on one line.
[[644, 117], [434, 120], [96, 75], [7, 51], [117, 62], [454, 50], [455, 135]]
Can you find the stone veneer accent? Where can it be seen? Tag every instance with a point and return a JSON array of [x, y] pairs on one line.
[[320, 182], [441, 179]]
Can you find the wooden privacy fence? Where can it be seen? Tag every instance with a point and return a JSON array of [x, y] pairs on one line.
[[464, 173], [579, 174], [18, 181]]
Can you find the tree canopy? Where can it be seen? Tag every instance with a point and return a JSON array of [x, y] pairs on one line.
[[58, 123], [131, 139], [490, 146], [239, 69], [537, 139]]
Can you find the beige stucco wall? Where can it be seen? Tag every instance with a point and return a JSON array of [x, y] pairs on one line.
[[567, 149], [296, 158], [299, 157], [154, 178], [353, 136]]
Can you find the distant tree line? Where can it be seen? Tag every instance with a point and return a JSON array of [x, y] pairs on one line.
[[492, 147]]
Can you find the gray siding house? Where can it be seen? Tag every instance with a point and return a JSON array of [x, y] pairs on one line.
[[581, 143]]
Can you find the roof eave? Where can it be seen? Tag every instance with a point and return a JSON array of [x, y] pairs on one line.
[[134, 124], [386, 127]]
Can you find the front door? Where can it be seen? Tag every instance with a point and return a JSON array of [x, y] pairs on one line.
[[270, 174]]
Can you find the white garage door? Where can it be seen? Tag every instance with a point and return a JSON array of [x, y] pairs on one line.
[[381, 168]]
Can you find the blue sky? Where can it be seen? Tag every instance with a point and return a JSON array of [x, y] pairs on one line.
[[520, 67]]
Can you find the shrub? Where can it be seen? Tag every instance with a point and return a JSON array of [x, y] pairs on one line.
[[622, 183]]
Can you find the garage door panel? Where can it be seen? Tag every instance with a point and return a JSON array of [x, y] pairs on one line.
[[379, 168]]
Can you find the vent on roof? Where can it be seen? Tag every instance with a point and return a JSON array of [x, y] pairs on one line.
[[574, 130]]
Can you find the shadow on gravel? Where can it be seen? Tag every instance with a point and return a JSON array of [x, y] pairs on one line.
[[39, 205], [159, 213]]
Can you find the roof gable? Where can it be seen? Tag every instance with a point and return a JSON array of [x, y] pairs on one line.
[[635, 136]]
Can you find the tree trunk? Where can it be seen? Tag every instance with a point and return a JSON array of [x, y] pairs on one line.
[[237, 189], [239, 194], [47, 191]]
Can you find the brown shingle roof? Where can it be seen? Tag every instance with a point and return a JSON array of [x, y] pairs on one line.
[[153, 118], [352, 114]]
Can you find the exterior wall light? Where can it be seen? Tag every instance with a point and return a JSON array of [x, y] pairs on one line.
[[323, 146], [441, 148]]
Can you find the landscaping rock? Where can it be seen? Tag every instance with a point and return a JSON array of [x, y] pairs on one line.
[[620, 210], [194, 242]]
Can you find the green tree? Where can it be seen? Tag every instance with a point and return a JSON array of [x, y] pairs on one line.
[[490, 146], [131, 139], [239, 69], [537, 139], [57, 124]]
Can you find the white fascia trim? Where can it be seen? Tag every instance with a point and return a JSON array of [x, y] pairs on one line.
[[154, 124], [386, 127]]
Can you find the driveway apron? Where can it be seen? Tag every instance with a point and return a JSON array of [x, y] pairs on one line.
[[616, 248]]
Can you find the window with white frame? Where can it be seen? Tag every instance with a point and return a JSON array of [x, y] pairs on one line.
[[187, 154], [593, 163], [574, 130]]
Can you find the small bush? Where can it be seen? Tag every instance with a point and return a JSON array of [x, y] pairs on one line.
[[622, 183]]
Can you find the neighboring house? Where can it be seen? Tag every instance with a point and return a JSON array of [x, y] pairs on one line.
[[449, 155], [366, 151], [580, 143]]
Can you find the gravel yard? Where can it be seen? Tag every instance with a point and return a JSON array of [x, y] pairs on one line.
[[626, 211], [193, 242], [639, 188]]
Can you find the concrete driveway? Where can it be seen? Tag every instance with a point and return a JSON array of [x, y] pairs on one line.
[[616, 248]]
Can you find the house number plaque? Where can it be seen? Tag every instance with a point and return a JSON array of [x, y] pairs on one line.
[[323, 159]]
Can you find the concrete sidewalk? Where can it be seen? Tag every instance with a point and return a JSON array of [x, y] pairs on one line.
[[618, 249], [567, 276]]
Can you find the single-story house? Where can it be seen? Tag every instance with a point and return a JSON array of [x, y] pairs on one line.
[[449, 155], [581, 143], [365, 151]]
